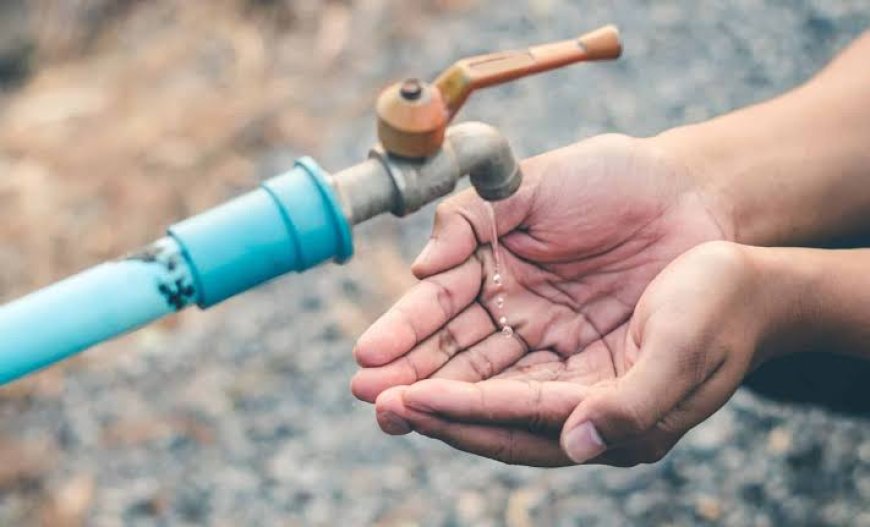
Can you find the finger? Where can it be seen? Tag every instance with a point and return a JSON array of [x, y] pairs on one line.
[[464, 221], [483, 360], [390, 411], [467, 329], [631, 407], [426, 307], [534, 406], [454, 234], [505, 444], [652, 446]]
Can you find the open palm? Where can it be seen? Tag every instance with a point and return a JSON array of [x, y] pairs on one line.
[[591, 227]]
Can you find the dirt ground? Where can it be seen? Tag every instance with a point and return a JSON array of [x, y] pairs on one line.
[[118, 117]]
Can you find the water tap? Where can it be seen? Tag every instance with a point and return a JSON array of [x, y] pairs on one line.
[[294, 221], [421, 157]]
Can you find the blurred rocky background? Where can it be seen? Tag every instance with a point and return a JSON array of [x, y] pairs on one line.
[[118, 117]]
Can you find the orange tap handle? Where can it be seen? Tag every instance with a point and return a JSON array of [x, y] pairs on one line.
[[413, 116], [458, 82]]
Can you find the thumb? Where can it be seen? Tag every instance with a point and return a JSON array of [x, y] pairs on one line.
[[463, 222], [633, 406]]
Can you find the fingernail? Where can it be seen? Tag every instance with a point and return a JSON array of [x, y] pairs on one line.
[[584, 443], [393, 424], [424, 254]]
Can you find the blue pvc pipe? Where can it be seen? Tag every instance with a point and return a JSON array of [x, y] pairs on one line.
[[291, 223], [79, 312]]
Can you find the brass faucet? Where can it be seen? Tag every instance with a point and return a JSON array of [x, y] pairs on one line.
[[420, 157]]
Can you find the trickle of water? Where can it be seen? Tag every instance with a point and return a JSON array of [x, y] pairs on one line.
[[496, 253], [497, 278]]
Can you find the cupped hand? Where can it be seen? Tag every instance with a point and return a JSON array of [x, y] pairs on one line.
[[590, 228], [697, 330]]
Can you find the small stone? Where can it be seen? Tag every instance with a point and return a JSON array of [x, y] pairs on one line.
[[521, 505], [779, 440], [708, 508], [470, 507]]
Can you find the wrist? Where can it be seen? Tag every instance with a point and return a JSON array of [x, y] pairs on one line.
[[689, 150], [788, 172], [722, 155], [782, 280]]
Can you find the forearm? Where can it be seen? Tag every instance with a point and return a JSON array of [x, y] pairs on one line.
[[794, 170], [817, 300]]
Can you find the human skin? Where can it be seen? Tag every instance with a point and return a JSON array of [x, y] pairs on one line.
[[626, 336]]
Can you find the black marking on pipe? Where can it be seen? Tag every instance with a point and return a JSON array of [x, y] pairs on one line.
[[150, 254], [178, 294], [174, 284]]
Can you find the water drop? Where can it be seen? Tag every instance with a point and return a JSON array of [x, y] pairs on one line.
[[497, 278]]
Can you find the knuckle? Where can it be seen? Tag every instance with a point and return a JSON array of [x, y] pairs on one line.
[[671, 424], [629, 460], [444, 211], [408, 322], [481, 364], [631, 419], [643, 452], [538, 421], [506, 450], [652, 452], [444, 296], [447, 342], [412, 367]]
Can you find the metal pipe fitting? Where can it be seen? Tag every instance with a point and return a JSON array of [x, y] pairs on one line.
[[401, 186], [365, 190]]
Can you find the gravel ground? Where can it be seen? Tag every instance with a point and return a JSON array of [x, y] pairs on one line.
[[242, 416]]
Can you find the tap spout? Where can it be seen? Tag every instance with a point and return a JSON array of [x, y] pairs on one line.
[[401, 186], [487, 157]]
